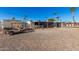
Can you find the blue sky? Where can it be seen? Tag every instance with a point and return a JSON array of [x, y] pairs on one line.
[[38, 13]]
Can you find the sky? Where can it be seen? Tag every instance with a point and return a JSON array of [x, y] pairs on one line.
[[38, 13]]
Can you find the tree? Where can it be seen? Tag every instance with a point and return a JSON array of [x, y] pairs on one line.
[[51, 20], [57, 17], [72, 9], [46, 18]]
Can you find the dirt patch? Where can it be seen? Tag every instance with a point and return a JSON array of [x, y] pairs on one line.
[[55, 39]]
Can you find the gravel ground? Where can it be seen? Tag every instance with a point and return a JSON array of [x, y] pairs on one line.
[[54, 39]]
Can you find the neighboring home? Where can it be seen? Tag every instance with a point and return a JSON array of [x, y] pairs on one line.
[[43, 24], [71, 24], [55, 24], [8, 23]]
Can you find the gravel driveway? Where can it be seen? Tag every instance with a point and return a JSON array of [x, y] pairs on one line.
[[54, 39]]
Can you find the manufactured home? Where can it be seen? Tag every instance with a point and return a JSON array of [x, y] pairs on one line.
[[12, 23], [14, 26], [55, 24], [48, 24]]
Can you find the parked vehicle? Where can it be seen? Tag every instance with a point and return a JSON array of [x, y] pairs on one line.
[[12, 31]]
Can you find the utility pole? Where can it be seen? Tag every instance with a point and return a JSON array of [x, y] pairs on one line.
[[47, 22], [72, 10]]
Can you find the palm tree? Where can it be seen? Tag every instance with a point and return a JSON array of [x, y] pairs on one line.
[[55, 13], [24, 18], [13, 18], [72, 9], [46, 18], [47, 22], [57, 17]]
